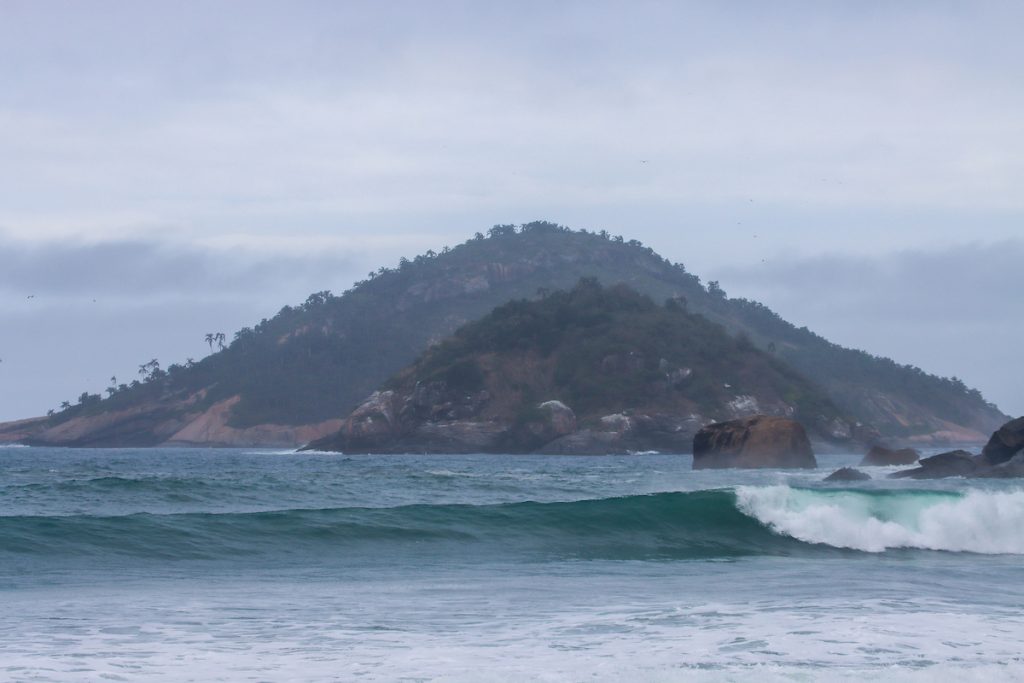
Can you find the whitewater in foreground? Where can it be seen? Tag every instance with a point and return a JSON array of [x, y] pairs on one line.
[[233, 565]]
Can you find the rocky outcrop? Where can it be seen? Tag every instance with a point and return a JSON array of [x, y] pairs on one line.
[[880, 456], [1002, 458], [549, 421], [1011, 469], [634, 433], [1006, 442], [432, 417], [755, 442], [957, 463], [847, 474]]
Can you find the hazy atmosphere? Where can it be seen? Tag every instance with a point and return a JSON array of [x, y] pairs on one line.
[[170, 170]]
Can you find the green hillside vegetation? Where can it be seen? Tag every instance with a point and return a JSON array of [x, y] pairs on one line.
[[605, 350], [317, 360]]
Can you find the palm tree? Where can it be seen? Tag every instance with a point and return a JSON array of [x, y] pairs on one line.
[[220, 340], [64, 405], [209, 340]]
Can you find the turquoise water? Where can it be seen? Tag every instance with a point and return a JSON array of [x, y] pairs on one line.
[[234, 565]]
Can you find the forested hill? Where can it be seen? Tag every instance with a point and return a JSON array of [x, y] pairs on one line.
[[590, 370], [291, 378]]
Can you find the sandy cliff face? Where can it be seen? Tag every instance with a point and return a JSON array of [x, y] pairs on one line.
[[163, 424], [19, 430], [211, 428]]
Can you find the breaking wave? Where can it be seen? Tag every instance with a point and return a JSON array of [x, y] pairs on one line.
[[771, 520]]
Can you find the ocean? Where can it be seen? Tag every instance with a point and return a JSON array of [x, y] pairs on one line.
[[249, 565]]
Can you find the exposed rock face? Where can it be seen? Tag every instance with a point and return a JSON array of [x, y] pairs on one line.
[[847, 474], [664, 432], [373, 422], [1005, 443], [432, 418], [462, 436], [882, 457], [957, 463], [551, 420], [19, 430], [559, 419], [754, 442], [183, 423], [620, 433]]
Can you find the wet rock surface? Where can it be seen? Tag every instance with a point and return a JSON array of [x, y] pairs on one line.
[[847, 474], [755, 442]]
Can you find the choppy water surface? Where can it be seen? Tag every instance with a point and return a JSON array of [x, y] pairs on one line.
[[271, 566]]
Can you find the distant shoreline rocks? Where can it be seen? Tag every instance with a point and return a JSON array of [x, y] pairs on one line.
[[1002, 458]]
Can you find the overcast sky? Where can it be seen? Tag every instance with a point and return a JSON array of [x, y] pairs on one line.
[[176, 168]]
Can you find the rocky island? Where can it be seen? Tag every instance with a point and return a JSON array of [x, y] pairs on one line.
[[294, 377]]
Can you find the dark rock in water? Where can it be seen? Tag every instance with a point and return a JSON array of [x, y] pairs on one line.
[[753, 442], [952, 464], [1005, 443], [882, 456], [1011, 469], [847, 474]]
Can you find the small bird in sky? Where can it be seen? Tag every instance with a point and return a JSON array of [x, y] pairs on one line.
[[644, 161], [31, 296]]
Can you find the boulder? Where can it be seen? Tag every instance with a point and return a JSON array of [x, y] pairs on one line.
[[881, 456], [1011, 469], [372, 423], [1005, 443], [754, 442], [847, 474], [617, 422], [951, 464], [561, 420], [545, 423]]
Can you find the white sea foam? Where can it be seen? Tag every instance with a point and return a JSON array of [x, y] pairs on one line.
[[979, 521]]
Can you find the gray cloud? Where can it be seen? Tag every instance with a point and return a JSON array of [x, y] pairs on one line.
[[138, 269], [322, 117]]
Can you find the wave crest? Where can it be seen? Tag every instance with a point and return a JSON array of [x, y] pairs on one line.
[[987, 522]]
